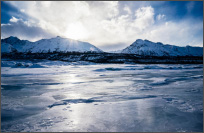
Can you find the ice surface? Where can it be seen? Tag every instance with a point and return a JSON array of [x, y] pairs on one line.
[[83, 96]]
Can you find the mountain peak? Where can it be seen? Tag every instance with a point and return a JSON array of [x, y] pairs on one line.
[[57, 43], [146, 47], [59, 37], [143, 41], [139, 41], [12, 38]]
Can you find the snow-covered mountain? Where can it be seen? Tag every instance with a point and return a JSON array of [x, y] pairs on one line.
[[46, 45], [59, 44], [145, 47]]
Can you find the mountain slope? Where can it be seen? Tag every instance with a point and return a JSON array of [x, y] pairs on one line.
[[6, 48], [148, 48], [15, 43], [49, 45]]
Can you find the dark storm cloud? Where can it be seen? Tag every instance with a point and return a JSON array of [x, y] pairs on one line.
[[23, 30]]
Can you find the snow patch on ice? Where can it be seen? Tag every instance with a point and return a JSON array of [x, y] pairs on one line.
[[75, 101]]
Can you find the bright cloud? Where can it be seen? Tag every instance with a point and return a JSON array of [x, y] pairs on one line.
[[14, 20], [160, 16], [144, 17], [103, 23]]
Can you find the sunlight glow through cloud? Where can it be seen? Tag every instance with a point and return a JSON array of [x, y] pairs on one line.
[[76, 31]]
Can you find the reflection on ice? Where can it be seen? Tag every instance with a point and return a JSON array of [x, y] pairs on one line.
[[101, 97]]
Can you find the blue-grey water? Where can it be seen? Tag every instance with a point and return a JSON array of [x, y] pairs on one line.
[[52, 96]]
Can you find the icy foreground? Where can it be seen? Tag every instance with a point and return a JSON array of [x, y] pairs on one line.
[[51, 96]]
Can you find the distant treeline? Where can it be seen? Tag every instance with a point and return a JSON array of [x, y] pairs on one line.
[[105, 57]]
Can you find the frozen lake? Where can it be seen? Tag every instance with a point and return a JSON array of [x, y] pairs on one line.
[[51, 96]]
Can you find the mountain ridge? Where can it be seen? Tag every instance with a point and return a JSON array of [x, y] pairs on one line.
[[148, 48], [61, 44], [58, 44]]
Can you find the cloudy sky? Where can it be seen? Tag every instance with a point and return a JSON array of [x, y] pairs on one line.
[[107, 25]]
